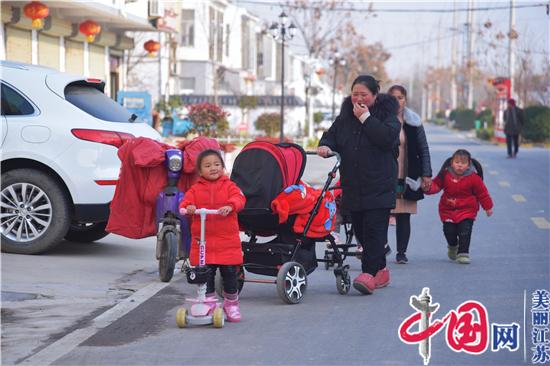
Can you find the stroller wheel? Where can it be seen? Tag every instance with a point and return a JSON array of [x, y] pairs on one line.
[[181, 317], [291, 282], [217, 318], [343, 283]]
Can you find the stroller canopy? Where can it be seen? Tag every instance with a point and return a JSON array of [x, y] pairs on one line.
[[262, 170]]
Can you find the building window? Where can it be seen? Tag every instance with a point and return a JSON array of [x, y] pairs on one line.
[[219, 39], [188, 28], [227, 33], [259, 56], [245, 32], [187, 83]]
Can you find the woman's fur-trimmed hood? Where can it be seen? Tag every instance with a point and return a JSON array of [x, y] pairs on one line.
[[411, 118], [384, 106]]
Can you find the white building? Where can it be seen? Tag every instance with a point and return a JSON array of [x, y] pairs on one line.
[[60, 45]]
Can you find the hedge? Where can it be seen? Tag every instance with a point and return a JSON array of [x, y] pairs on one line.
[[537, 123], [464, 119]]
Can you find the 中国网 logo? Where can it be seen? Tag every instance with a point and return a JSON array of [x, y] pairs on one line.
[[467, 328]]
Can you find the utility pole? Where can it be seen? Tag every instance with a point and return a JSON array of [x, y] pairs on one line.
[[424, 100], [453, 58], [438, 74], [471, 35], [511, 42]]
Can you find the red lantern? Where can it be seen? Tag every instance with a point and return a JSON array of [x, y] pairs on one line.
[[152, 47], [90, 29], [36, 11]]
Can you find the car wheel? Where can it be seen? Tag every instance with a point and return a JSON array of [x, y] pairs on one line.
[[82, 232], [35, 213]]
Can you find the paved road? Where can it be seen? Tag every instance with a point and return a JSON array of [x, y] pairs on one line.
[[510, 259]]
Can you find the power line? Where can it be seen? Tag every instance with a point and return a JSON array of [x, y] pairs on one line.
[[338, 8], [419, 43]]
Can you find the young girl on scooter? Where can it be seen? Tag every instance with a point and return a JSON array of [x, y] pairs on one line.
[[214, 190]]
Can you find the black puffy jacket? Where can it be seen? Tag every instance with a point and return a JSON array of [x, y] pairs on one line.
[[369, 154]]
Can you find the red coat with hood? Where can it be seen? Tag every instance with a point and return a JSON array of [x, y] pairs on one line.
[[223, 243], [461, 195], [142, 177]]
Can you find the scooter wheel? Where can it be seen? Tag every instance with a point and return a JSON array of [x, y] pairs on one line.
[[217, 318], [181, 317]]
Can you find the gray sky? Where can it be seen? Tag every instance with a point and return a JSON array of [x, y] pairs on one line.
[[412, 37]]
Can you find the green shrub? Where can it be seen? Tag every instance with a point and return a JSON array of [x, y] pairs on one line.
[[440, 114], [452, 115], [464, 119], [537, 123], [485, 134], [486, 115], [270, 123]]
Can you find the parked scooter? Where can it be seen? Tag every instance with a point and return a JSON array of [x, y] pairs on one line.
[[203, 311], [173, 237]]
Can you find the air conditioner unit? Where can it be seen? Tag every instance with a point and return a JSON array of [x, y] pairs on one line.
[[156, 9]]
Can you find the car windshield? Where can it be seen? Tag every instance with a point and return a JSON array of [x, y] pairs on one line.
[[94, 102]]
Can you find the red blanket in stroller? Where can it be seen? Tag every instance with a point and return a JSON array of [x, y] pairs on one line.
[[300, 200]]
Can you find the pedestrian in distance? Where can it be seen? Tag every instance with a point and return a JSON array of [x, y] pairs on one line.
[[513, 124], [214, 190], [414, 164], [461, 180], [366, 134]]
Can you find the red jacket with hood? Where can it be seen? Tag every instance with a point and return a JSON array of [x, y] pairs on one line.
[[461, 195], [223, 243], [142, 177]]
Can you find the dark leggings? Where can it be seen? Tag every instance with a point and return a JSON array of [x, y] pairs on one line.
[[371, 230], [229, 276], [512, 144], [402, 231], [459, 234]]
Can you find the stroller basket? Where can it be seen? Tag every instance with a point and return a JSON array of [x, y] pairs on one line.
[[266, 258]]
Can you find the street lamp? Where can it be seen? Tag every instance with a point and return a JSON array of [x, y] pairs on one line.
[[336, 59], [280, 31]]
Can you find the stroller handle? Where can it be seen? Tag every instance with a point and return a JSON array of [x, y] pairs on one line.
[[331, 154]]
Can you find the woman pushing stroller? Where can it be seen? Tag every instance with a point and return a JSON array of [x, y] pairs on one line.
[[214, 190], [366, 134]]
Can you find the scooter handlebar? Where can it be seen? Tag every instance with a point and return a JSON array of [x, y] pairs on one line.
[[198, 211], [206, 211]]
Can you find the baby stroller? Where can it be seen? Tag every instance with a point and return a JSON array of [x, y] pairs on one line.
[[263, 170]]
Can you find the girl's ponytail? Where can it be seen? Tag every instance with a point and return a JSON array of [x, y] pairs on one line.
[[444, 167]]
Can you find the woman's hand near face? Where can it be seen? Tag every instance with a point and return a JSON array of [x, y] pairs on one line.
[[359, 109], [323, 151]]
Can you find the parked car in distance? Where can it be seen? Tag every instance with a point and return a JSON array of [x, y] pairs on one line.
[[59, 140]]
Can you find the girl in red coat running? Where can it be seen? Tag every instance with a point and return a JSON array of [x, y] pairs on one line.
[[463, 191], [214, 190]]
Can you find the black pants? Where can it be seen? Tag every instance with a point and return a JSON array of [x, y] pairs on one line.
[[402, 231], [459, 234], [229, 277], [512, 144], [371, 230]]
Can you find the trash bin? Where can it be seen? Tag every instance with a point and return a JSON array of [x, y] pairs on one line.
[[477, 124], [167, 126]]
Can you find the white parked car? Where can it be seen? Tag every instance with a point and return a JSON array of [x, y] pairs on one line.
[[59, 142]]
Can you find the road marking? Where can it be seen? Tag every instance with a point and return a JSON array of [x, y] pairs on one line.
[[541, 222], [69, 342], [518, 198], [504, 183], [493, 172]]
